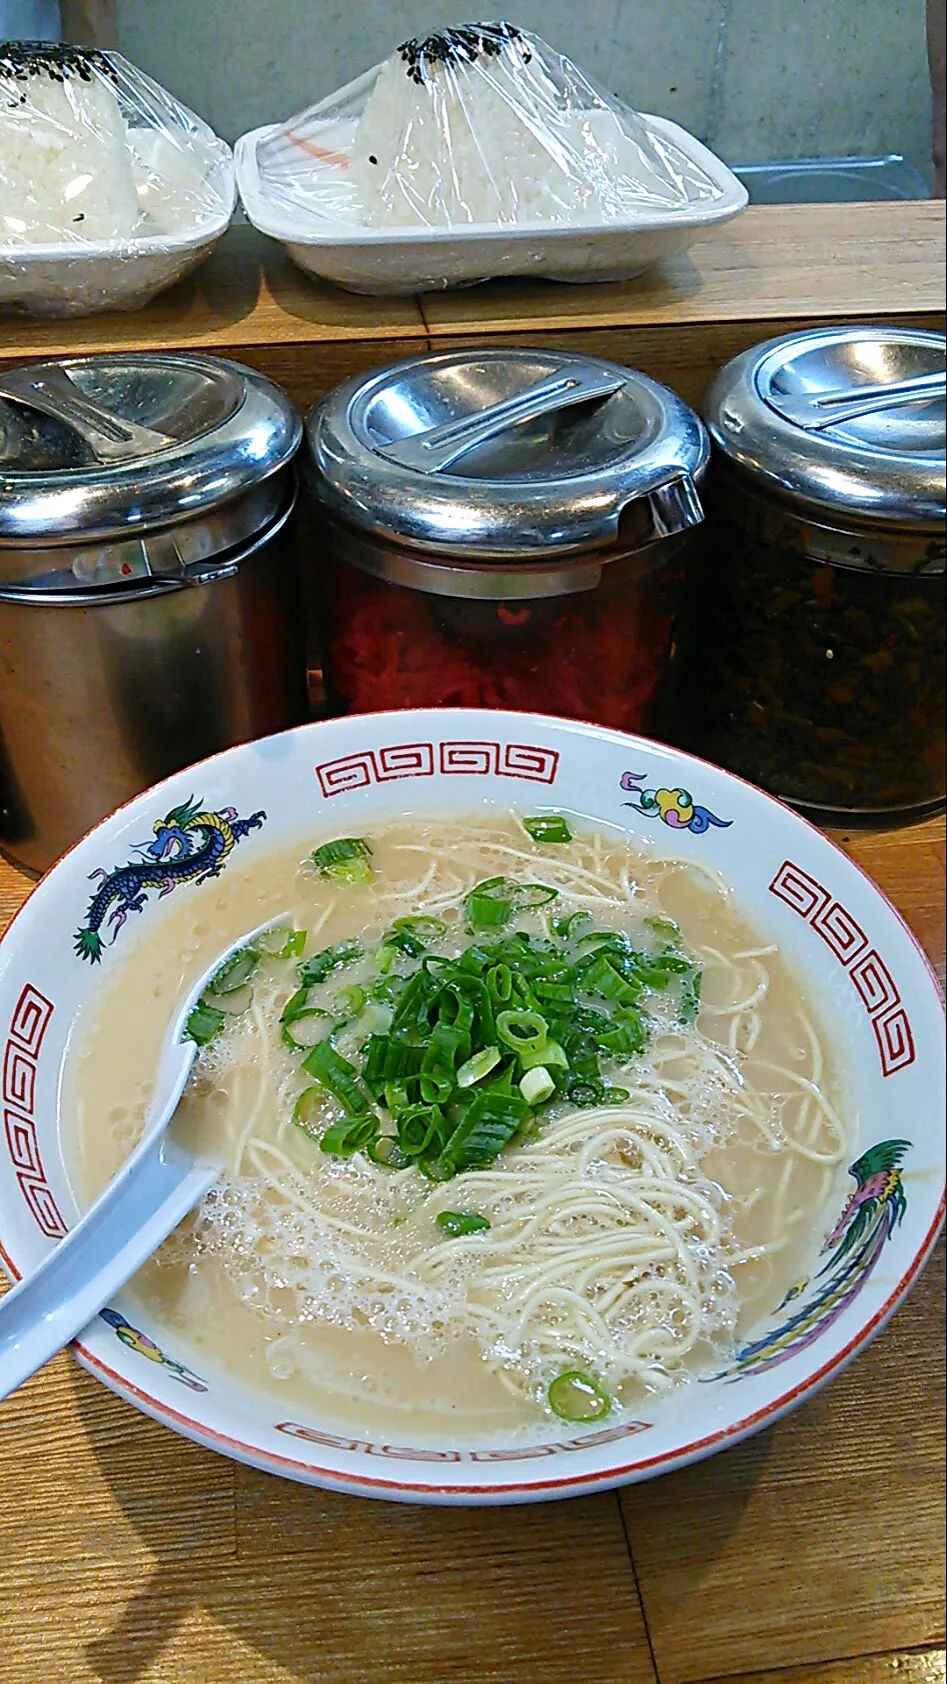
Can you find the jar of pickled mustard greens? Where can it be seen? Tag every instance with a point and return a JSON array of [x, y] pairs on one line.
[[811, 654], [502, 528]]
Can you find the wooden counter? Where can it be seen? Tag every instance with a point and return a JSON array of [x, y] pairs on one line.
[[775, 268], [811, 1554]]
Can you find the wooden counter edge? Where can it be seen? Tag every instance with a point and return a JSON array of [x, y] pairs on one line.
[[773, 264]]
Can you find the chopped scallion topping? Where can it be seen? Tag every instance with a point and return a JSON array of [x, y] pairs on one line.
[[315, 970], [575, 1396], [235, 971], [337, 1076], [492, 903], [474, 1069], [537, 1085], [204, 1023], [548, 828], [307, 1029], [280, 942], [307, 1111], [524, 1031], [413, 936], [346, 860], [458, 1056], [458, 1223], [351, 1134]]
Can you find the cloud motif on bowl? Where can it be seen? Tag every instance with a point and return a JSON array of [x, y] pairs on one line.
[[674, 807]]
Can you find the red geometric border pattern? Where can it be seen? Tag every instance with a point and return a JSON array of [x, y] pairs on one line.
[[401, 1453], [840, 931], [31, 1015], [417, 760], [799, 890], [873, 982], [896, 1043]]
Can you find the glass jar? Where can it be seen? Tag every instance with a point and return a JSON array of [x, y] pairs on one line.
[[502, 528], [811, 657]]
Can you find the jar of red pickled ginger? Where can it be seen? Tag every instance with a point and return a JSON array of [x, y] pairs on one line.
[[502, 528]]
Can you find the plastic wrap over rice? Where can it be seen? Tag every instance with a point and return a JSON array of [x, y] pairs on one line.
[[482, 124], [92, 152]]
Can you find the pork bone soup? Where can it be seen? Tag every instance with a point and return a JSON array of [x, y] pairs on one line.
[[516, 1124]]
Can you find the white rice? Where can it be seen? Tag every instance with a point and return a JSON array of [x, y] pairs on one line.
[[66, 168], [511, 135]]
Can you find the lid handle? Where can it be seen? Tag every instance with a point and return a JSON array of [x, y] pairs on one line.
[[440, 447], [48, 388], [815, 411]]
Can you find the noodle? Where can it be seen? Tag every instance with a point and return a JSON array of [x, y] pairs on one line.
[[630, 1240]]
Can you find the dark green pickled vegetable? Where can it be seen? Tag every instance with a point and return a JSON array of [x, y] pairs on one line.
[[823, 683]]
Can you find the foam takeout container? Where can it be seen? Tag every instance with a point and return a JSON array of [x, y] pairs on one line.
[[410, 260]]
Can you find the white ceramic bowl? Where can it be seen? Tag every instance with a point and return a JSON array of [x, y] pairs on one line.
[[843, 938], [396, 261]]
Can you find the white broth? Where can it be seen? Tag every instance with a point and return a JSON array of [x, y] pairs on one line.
[[636, 1218]]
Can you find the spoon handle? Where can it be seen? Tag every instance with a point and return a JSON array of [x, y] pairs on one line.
[[97, 1257]]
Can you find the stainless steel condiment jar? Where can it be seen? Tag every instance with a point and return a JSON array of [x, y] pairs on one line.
[[502, 528], [812, 652], [148, 600]]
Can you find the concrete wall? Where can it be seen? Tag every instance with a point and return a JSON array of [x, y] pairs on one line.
[[756, 79]]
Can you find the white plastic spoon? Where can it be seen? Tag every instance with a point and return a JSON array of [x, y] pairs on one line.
[[152, 1192]]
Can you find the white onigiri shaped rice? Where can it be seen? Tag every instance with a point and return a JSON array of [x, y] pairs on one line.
[[483, 124], [66, 169]]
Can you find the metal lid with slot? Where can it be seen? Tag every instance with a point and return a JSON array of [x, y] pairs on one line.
[[112, 446], [845, 424], [495, 454]]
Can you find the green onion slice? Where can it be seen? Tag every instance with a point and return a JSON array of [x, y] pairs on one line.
[[337, 1076], [204, 1023], [345, 861], [531, 895], [568, 925], [550, 827], [479, 1065], [234, 1003], [307, 1111], [350, 1001], [458, 1223], [490, 904], [412, 936], [575, 1396], [349, 1135], [664, 927], [386, 1151], [525, 1032], [307, 1029], [690, 996], [490, 1123], [537, 1085], [315, 970], [235, 971], [281, 942]]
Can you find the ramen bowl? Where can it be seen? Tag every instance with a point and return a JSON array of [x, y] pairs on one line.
[[849, 949]]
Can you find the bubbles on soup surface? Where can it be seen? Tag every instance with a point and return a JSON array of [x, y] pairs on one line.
[[628, 1239]]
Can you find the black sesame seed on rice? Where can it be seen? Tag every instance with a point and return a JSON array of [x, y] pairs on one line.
[[56, 60]]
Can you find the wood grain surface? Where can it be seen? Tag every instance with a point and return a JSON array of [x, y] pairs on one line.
[[810, 1554], [776, 268]]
